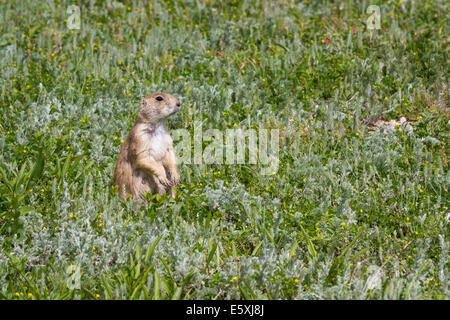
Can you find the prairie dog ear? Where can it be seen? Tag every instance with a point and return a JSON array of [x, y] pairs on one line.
[[142, 104], [143, 110], [145, 107]]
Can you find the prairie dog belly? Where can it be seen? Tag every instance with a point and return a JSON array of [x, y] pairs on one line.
[[158, 143]]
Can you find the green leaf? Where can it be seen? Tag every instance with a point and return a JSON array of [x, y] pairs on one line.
[[135, 292], [151, 249], [188, 278], [250, 290], [5, 179], [38, 168], [244, 293], [310, 245], [281, 46], [292, 251], [108, 294], [177, 294], [166, 266], [337, 263], [156, 293], [269, 236], [211, 253], [255, 250], [138, 252], [20, 177], [25, 209]]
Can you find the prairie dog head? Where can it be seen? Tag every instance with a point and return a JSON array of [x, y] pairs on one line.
[[158, 106]]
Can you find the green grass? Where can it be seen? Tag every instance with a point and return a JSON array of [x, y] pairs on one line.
[[352, 213]]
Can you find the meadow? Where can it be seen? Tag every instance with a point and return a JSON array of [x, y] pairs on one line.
[[355, 209]]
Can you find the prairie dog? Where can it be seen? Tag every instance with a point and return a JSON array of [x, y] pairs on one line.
[[146, 160]]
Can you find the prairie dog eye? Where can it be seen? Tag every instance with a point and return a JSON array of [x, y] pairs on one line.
[[159, 98]]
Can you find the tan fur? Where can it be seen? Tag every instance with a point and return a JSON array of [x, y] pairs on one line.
[[146, 161]]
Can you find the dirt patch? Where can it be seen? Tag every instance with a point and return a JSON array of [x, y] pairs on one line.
[[392, 125]]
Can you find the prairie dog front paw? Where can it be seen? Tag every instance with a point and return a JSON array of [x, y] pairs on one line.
[[174, 178], [164, 181]]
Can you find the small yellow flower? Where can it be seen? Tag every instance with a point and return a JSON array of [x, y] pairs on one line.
[[100, 225], [296, 280], [97, 296], [30, 294]]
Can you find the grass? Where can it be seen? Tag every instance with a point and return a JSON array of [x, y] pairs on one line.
[[351, 213]]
